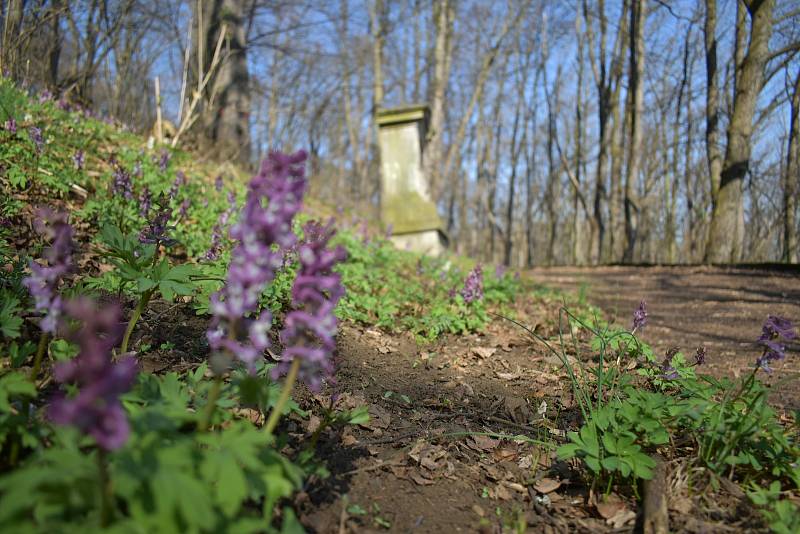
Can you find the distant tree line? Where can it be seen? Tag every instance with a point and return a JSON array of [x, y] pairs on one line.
[[579, 132]]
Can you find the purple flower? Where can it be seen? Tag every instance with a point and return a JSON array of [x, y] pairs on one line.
[[157, 229], [274, 197], [639, 317], [62, 104], [45, 96], [145, 201], [309, 331], [96, 409], [183, 211], [217, 233], [473, 285], [773, 332], [500, 271], [218, 183], [163, 161], [35, 135], [11, 126], [700, 356], [777, 327], [43, 281], [121, 184], [668, 372], [77, 160]]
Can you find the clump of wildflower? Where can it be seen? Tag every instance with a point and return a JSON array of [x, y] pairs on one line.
[[11, 126], [163, 160], [35, 135], [45, 96], [96, 409], [774, 332], [218, 183], [121, 184], [500, 271], [310, 329], [473, 285], [254, 260], [639, 316], [44, 280], [78, 160], [158, 227]]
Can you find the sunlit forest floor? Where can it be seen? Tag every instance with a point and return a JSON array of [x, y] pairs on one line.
[[692, 306]]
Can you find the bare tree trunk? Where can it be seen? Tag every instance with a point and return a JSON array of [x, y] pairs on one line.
[[713, 153], [608, 88], [512, 181], [552, 193], [432, 157], [726, 237], [636, 90], [791, 180], [12, 26], [225, 119]]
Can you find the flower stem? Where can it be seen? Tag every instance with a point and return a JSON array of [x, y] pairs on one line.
[[211, 403], [137, 313], [106, 495], [44, 341], [275, 416]]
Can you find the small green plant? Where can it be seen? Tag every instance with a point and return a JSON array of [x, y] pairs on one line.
[[140, 267]]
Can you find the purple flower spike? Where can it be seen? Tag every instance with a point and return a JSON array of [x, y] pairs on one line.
[[145, 202], [218, 183], [309, 332], [473, 285], [775, 330], [96, 409], [77, 160], [35, 135], [639, 317], [163, 161], [158, 228], [274, 197], [700, 356], [500, 271], [11, 126], [122, 182], [43, 281]]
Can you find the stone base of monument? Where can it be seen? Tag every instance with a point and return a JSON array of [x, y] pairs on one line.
[[430, 242]]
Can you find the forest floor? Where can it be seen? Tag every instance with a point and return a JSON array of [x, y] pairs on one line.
[[436, 455], [721, 308]]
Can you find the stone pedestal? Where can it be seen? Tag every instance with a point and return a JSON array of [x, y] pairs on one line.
[[406, 204]]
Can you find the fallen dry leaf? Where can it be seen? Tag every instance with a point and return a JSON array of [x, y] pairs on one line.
[[480, 443], [547, 485], [483, 352]]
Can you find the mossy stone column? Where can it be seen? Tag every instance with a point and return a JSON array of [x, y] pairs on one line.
[[406, 204]]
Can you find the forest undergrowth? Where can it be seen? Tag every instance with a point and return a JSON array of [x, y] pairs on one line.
[[169, 358]]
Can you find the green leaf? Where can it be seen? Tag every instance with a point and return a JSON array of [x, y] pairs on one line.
[[14, 384]]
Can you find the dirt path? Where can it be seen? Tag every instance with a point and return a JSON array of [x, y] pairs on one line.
[[719, 308]]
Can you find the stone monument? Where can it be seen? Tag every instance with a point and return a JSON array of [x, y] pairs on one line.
[[406, 204]]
